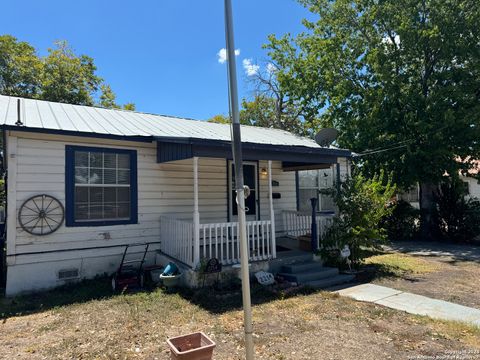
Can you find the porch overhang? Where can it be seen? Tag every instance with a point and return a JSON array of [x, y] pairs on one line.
[[292, 157]]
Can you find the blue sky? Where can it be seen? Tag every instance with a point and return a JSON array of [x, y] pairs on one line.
[[159, 54]]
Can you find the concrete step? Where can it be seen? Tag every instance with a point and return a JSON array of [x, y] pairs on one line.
[[332, 281], [310, 275], [300, 267]]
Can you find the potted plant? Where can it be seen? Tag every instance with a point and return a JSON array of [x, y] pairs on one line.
[[196, 346]]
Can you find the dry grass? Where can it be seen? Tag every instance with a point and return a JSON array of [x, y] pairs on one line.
[[135, 326]]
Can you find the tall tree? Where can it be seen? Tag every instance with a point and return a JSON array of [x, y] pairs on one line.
[[20, 68], [400, 79], [271, 106], [69, 78], [61, 76]]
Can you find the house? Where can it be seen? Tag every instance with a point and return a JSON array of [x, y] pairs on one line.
[[469, 178], [84, 181]]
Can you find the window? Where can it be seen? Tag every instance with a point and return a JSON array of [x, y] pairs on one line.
[[309, 184], [101, 186]]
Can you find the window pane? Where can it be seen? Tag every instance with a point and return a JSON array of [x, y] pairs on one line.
[[109, 176], [96, 212], [96, 176], [81, 212], [123, 194], [96, 159], [110, 211], [81, 176], [96, 195], [123, 176], [123, 161], [304, 196], [81, 158], [110, 194], [110, 160], [99, 197], [124, 210], [325, 178], [326, 203], [81, 194], [308, 178]]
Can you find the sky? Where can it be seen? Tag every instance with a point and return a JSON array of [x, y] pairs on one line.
[[162, 55]]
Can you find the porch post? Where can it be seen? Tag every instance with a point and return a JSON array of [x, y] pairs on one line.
[[272, 213], [196, 215]]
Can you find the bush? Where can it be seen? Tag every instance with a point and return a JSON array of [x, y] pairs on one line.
[[458, 216], [362, 203], [403, 222]]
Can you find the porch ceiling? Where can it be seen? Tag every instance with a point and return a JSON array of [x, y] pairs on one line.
[[292, 157]]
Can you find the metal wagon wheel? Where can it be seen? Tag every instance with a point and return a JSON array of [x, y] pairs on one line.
[[41, 215]]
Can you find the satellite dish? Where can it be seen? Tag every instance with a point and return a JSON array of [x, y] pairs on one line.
[[326, 136]]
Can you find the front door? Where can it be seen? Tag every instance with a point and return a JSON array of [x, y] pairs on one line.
[[250, 178]]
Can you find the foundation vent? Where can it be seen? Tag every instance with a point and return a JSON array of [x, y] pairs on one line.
[[66, 274]]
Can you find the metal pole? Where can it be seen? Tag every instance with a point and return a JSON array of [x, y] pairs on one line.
[[238, 161]]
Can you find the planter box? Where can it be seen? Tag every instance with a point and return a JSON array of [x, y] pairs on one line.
[[196, 346]]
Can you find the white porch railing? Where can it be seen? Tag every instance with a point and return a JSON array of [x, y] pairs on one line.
[[216, 240], [299, 223], [176, 238]]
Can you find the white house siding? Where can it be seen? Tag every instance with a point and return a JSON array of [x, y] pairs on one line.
[[38, 165], [473, 186]]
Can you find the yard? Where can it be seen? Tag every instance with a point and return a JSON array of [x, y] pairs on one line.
[[440, 271], [88, 322]]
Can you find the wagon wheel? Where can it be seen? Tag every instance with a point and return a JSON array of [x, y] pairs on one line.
[[41, 215]]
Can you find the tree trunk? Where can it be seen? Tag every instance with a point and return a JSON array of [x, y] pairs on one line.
[[427, 206]]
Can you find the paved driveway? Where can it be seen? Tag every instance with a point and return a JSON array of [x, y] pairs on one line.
[[424, 248]]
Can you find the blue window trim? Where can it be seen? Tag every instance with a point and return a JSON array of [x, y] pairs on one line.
[[70, 186]]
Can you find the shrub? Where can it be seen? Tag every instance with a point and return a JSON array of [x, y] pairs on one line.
[[361, 203], [458, 216], [403, 221]]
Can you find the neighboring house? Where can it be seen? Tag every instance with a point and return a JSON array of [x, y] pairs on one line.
[[472, 187], [121, 177]]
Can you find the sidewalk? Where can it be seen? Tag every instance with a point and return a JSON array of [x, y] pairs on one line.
[[411, 303]]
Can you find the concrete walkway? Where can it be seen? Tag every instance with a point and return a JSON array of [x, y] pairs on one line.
[[411, 303]]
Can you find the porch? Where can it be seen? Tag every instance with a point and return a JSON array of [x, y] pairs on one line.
[[210, 230]]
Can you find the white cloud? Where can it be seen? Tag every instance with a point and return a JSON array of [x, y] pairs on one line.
[[271, 68], [250, 68], [222, 55]]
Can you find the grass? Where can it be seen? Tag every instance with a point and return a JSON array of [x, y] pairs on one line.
[[87, 321], [399, 265]]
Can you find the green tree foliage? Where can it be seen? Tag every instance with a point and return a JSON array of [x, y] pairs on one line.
[[219, 119], [362, 203], [61, 75], [67, 77], [457, 214], [20, 68], [396, 75]]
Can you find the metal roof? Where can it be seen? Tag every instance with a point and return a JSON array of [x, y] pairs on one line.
[[47, 116]]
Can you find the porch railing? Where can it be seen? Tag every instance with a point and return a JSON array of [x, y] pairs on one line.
[[299, 223], [216, 240], [176, 238]]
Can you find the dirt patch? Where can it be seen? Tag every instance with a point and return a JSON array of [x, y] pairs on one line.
[[314, 326], [439, 277]]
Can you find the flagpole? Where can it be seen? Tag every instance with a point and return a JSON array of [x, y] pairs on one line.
[[239, 185]]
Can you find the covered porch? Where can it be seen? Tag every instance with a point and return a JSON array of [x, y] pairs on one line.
[[272, 214]]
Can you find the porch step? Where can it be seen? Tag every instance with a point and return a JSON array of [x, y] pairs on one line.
[[301, 267], [310, 274], [328, 282]]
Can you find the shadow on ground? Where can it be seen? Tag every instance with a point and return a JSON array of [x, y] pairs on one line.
[[81, 292], [215, 299]]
